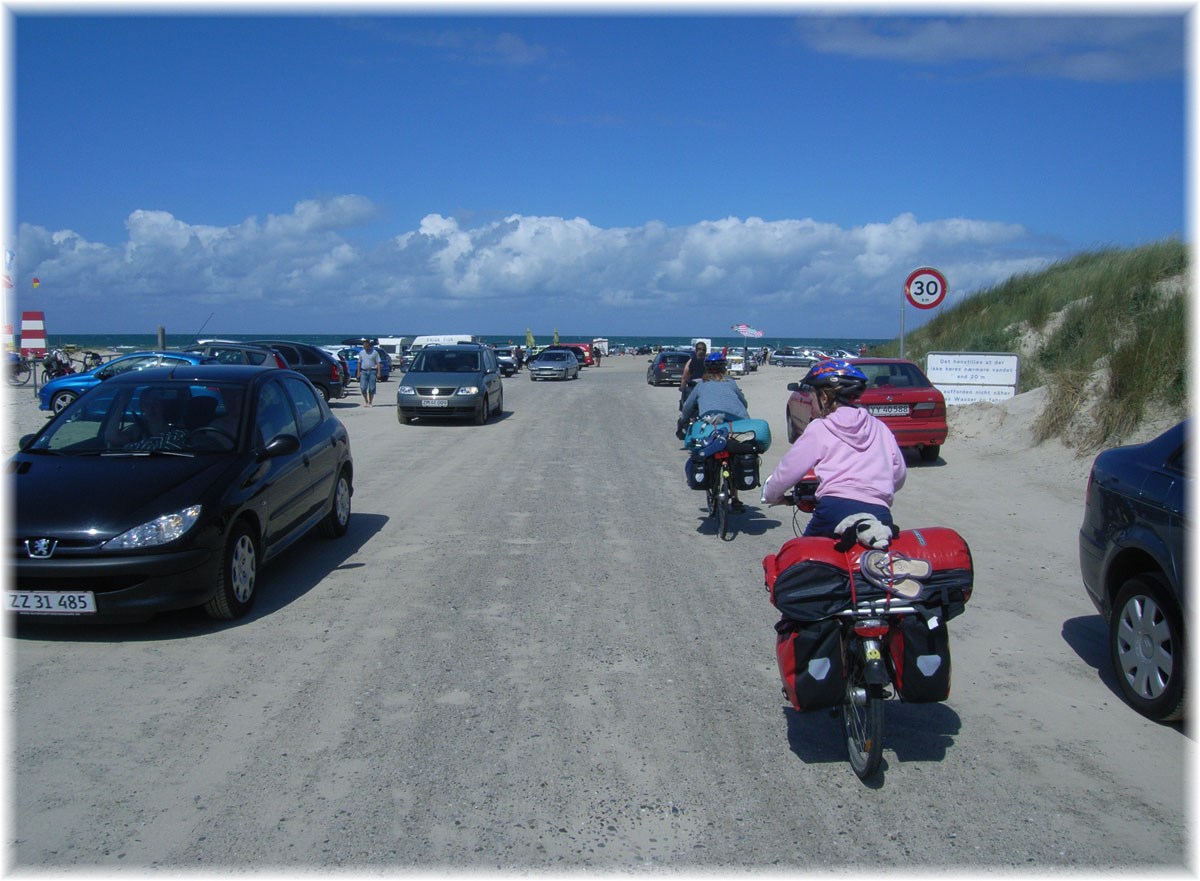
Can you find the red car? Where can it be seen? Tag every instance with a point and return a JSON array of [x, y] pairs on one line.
[[899, 393]]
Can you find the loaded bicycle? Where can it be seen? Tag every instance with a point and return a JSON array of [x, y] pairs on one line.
[[864, 621], [724, 458]]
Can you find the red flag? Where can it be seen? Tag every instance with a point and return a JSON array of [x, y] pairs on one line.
[[36, 282]]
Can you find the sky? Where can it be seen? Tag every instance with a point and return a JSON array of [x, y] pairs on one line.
[[671, 170]]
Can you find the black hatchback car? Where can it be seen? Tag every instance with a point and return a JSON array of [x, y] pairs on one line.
[[1131, 555], [667, 368], [321, 367], [171, 487]]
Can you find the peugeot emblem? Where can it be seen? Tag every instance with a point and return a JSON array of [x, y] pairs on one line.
[[40, 548]]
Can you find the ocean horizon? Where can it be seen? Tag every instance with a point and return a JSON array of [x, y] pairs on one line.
[[123, 342]]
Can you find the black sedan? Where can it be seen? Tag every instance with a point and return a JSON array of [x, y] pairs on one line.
[[1131, 555], [171, 487]]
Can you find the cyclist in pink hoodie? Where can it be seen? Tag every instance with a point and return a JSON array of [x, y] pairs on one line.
[[855, 455]]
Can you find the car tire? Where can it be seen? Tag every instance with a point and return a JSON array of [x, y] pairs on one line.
[[61, 400], [499, 404], [238, 576], [930, 452], [1147, 647], [401, 417], [337, 521], [481, 412]]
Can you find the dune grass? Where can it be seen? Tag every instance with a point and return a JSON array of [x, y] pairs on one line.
[[1110, 332]]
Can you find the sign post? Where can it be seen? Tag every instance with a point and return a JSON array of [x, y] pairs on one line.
[[925, 288]]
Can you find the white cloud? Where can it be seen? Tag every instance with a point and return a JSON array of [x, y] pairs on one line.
[[299, 272]]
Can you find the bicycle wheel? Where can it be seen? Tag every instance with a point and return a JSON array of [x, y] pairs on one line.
[[724, 500], [862, 717], [19, 373]]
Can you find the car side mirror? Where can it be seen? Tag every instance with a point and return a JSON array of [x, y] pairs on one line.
[[281, 445], [793, 386], [26, 440]]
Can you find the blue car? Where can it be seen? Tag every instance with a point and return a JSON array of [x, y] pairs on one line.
[[58, 393]]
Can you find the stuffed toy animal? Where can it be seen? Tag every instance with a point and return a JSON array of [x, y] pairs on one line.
[[866, 530]]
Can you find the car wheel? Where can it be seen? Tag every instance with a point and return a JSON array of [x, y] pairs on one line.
[[237, 577], [62, 400], [930, 452], [401, 418], [325, 393], [338, 520], [481, 414], [499, 403], [1146, 643]]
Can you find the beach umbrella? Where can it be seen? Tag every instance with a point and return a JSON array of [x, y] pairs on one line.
[[747, 331]]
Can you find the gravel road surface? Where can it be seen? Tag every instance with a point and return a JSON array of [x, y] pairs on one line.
[[530, 652]]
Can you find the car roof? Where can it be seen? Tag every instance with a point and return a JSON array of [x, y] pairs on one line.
[[200, 372]]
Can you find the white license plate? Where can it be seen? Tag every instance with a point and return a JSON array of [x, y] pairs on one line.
[[434, 403], [52, 602], [889, 410]]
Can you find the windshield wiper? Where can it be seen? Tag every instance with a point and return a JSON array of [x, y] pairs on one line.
[[145, 453]]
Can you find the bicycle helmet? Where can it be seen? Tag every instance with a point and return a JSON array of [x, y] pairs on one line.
[[845, 380], [715, 361]]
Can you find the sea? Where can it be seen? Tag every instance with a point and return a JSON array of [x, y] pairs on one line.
[[133, 342]]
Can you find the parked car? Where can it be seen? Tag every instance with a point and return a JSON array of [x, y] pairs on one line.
[[1132, 557], [350, 355], [451, 381], [234, 352], [323, 369], [666, 368], [554, 364], [789, 356], [57, 394], [508, 363], [110, 522], [899, 393], [583, 351]]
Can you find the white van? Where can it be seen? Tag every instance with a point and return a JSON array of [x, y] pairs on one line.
[[393, 345], [442, 339]]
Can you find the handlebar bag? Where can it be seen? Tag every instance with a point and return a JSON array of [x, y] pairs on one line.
[[810, 663], [809, 579]]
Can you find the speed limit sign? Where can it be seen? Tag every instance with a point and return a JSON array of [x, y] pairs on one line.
[[925, 287]]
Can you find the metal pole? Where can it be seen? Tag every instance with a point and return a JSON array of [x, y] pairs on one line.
[[903, 296]]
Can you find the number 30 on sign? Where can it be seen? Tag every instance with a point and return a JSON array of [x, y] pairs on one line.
[[925, 287]]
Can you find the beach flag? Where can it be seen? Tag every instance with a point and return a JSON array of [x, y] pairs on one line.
[[36, 282], [33, 334], [7, 280], [747, 330]]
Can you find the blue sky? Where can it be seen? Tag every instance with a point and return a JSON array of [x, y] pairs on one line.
[[615, 173]]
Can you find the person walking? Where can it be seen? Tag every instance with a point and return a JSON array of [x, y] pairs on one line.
[[368, 371]]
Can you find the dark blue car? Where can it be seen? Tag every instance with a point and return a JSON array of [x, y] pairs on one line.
[[171, 487], [58, 393], [1132, 549]]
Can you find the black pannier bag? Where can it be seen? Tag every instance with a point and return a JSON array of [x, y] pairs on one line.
[[920, 658], [699, 471], [811, 663], [744, 470]]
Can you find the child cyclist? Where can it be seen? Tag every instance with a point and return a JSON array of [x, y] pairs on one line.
[[855, 456]]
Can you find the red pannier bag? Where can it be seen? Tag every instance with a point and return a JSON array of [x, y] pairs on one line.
[[920, 659], [809, 579]]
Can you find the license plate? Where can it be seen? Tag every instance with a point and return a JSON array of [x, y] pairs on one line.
[[51, 602], [889, 410], [439, 402]]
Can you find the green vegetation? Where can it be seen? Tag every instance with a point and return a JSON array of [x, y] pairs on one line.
[[1106, 331]]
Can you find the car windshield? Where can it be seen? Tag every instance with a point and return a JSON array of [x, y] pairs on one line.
[[894, 375], [446, 361], [552, 356], [132, 418]]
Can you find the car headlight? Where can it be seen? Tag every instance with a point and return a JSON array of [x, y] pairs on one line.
[[157, 532], [468, 390], [406, 390]]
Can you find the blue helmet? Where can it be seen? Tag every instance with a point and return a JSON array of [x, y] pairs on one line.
[[715, 361], [838, 375]]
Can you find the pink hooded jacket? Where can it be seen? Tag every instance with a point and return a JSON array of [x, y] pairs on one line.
[[855, 456]]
